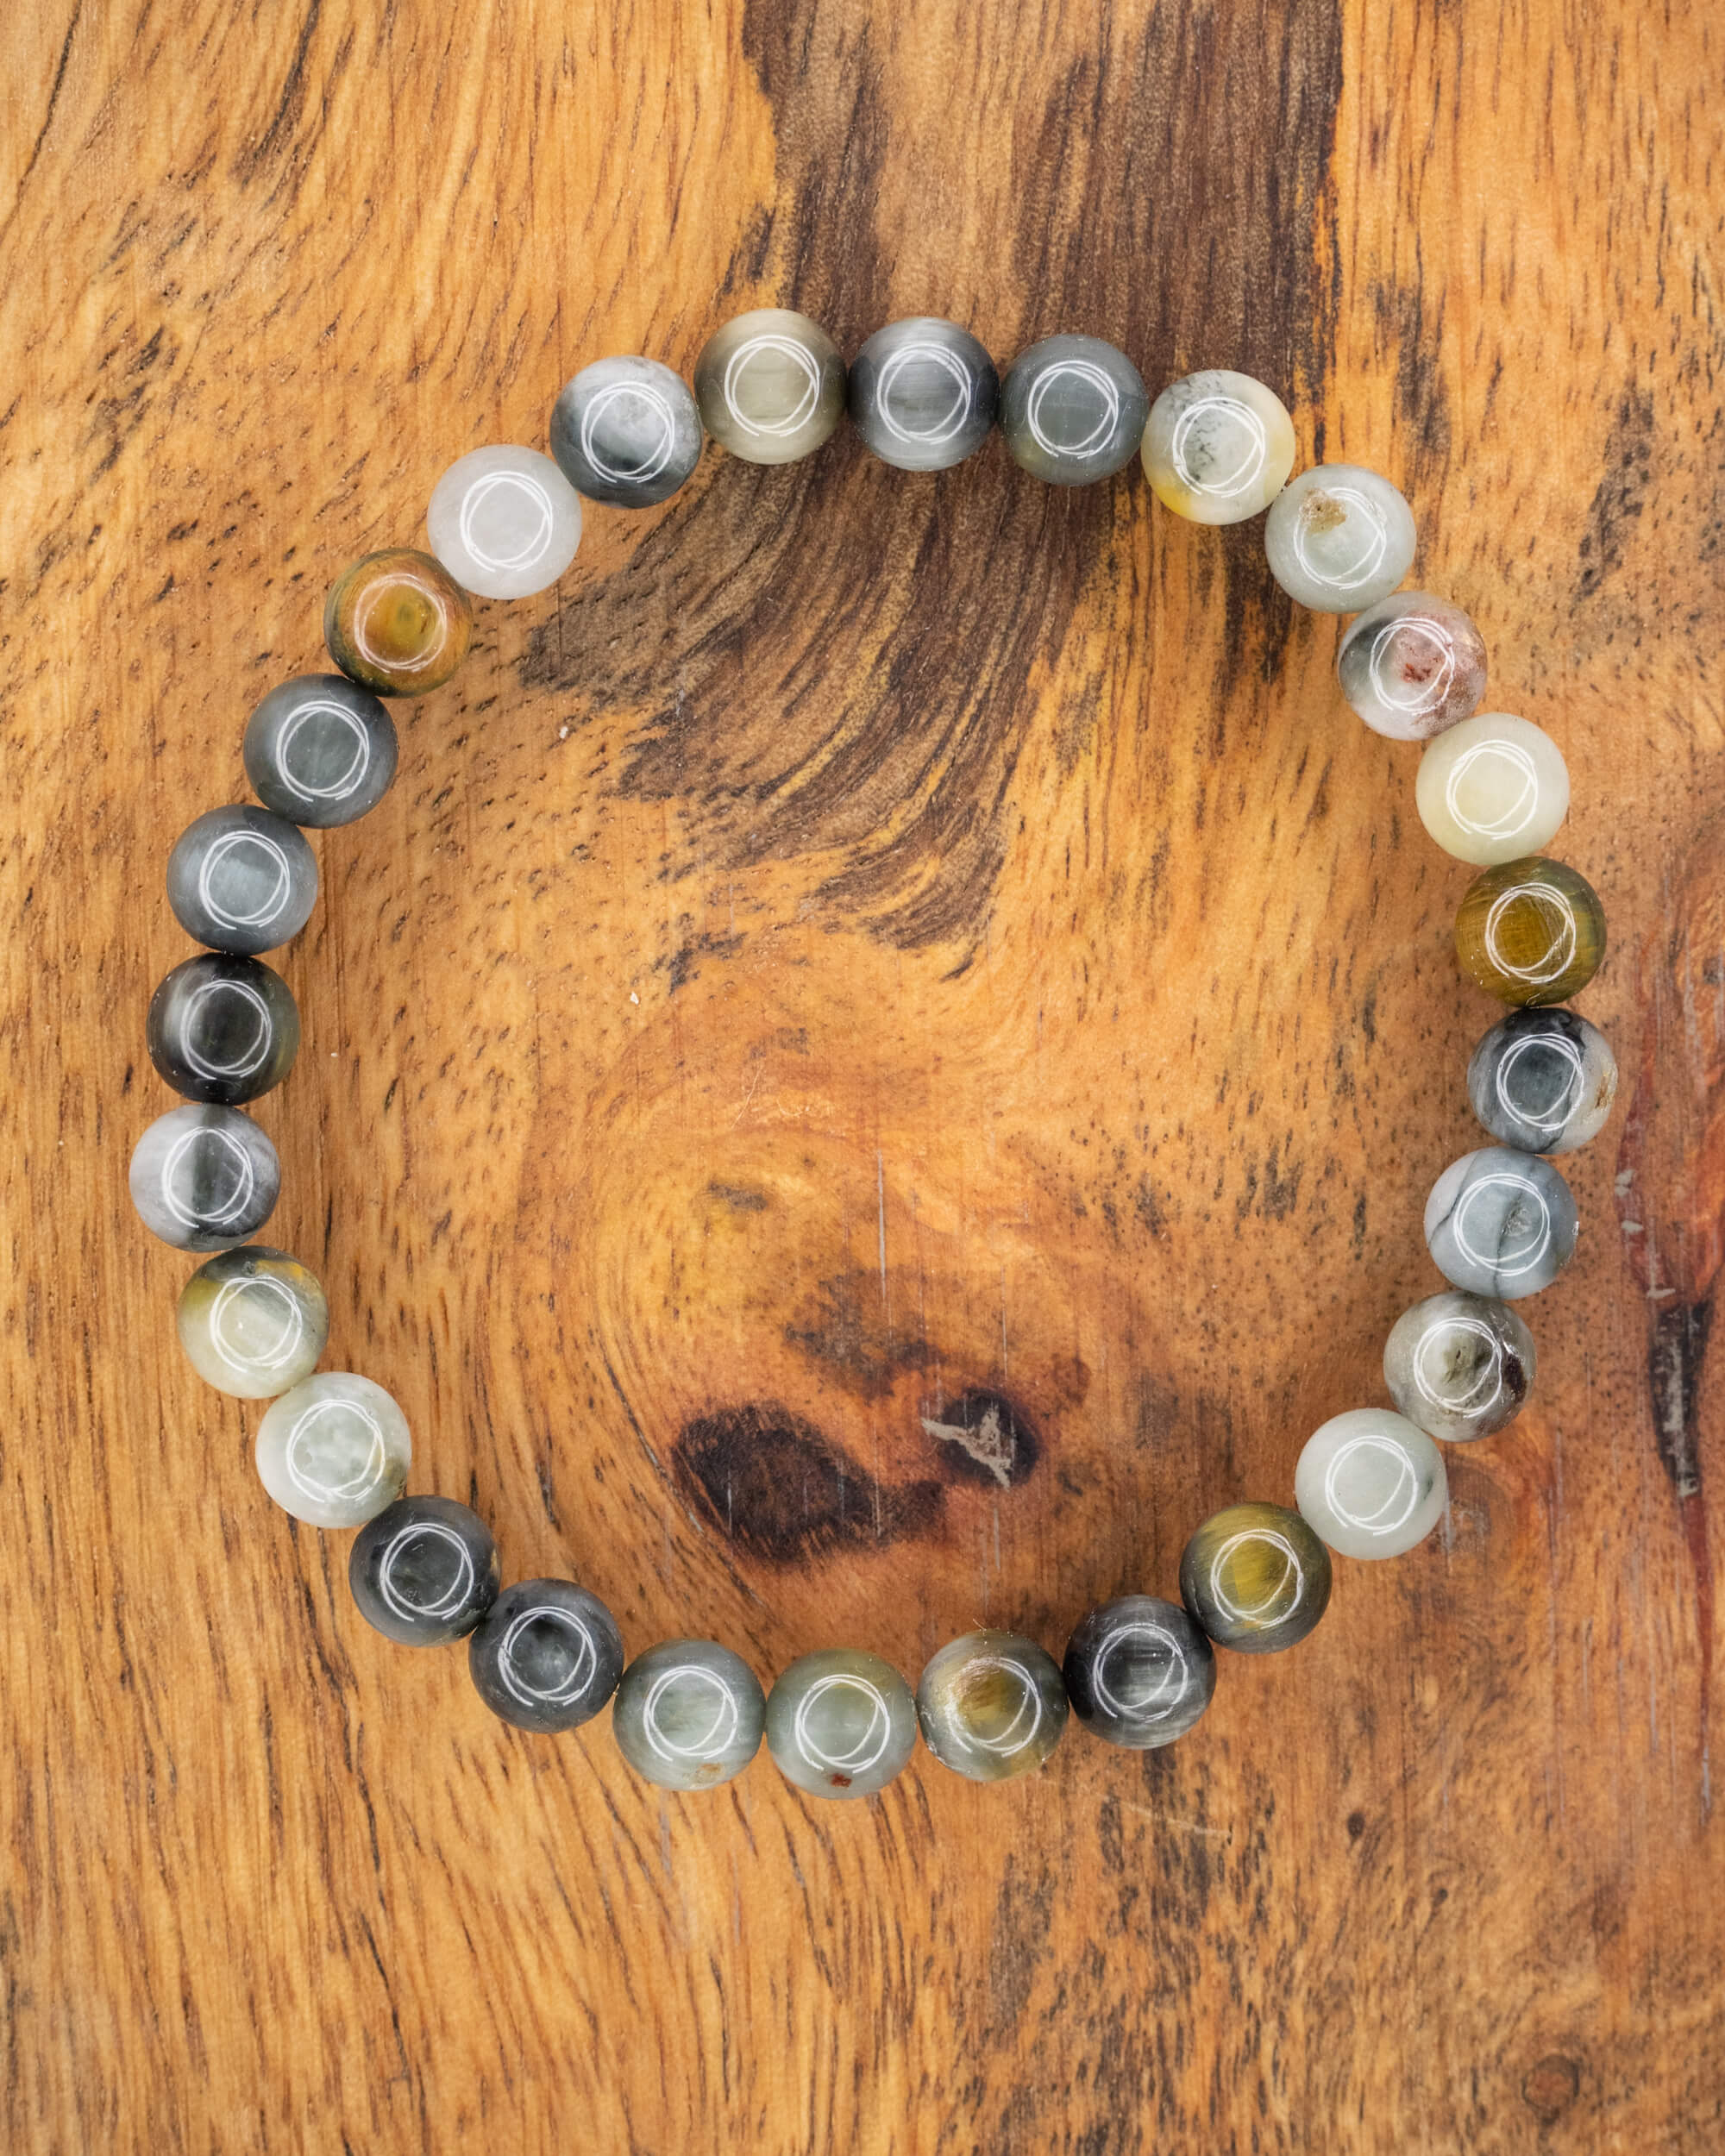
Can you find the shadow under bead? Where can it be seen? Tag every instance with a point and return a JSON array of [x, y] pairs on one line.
[[1543, 1081], [840, 1723], [1257, 1577], [1073, 410], [242, 881], [397, 623], [222, 1030], [424, 1571], [991, 1705], [770, 386], [1459, 1365], [204, 1178], [627, 431], [252, 1322], [320, 751], [1531, 931], [923, 394], [546, 1656], [688, 1715], [1501, 1223], [1139, 1672]]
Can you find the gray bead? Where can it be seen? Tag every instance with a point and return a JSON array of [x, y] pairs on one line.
[[1073, 410], [1459, 1365], [547, 1655], [840, 1723], [242, 880], [992, 1706], [1501, 1223], [320, 751], [770, 387], [627, 431], [689, 1715], [1139, 1672], [423, 1571], [1543, 1079], [923, 394], [204, 1178], [222, 1030]]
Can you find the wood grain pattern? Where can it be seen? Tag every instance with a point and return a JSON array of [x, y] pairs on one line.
[[868, 952]]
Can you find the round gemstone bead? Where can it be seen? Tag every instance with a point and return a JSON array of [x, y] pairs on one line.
[[991, 1705], [252, 1322], [1217, 446], [1501, 1223], [397, 623], [923, 394], [242, 881], [1338, 538], [1531, 931], [1138, 1672], [1458, 1365], [222, 1030], [546, 1656], [204, 1178], [423, 1571], [320, 751], [1413, 666], [627, 431], [1073, 410], [1543, 1081], [334, 1451], [1256, 1577], [1493, 788], [770, 387], [1371, 1483], [503, 522], [840, 1723], [689, 1715]]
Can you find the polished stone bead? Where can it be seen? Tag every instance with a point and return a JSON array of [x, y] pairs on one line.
[[1217, 446], [1371, 1483], [627, 431], [991, 1705], [334, 1451], [222, 1030], [423, 1571], [1413, 666], [320, 751], [546, 1656], [1531, 931], [1256, 1577], [689, 1715], [1459, 1365], [397, 623], [1338, 538], [770, 387], [1073, 410], [242, 880], [1494, 788], [204, 1178], [252, 1322], [840, 1723], [1501, 1223], [1138, 1672], [923, 394], [503, 522], [1543, 1081]]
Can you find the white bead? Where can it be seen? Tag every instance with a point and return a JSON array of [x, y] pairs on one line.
[[1217, 446], [334, 1451], [1494, 788], [1371, 1483], [503, 522], [1338, 538]]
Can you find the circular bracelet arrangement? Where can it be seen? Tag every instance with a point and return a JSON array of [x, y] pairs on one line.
[[319, 750]]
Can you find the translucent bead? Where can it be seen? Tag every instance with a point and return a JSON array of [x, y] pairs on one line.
[[204, 1178], [770, 387], [1543, 1081], [397, 621], [423, 1571], [1217, 446], [1371, 1483], [334, 1451], [1073, 410], [503, 522], [991, 1705], [320, 751], [627, 431], [923, 394], [1256, 1577], [1460, 1366], [1139, 1672], [1493, 788], [222, 1030], [252, 1322], [1531, 931], [242, 881], [689, 1715], [1501, 1223], [1338, 538], [546, 1656], [840, 1723], [1413, 666]]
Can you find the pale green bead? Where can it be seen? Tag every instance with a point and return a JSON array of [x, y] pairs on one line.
[[840, 1723], [1371, 1483], [252, 1322], [334, 1451], [688, 1715]]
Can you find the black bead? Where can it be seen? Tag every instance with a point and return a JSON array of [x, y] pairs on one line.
[[222, 1030], [1138, 1672], [424, 1571], [320, 751], [547, 1655]]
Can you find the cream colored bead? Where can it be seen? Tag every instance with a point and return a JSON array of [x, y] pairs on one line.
[[1492, 789], [1217, 446]]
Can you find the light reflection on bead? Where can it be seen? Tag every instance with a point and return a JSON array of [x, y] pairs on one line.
[[1217, 446], [1501, 1223], [1072, 410], [1412, 666], [222, 1030], [1371, 1483], [991, 1705], [423, 1571], [1139, 1672], [1494, 788], [1531, 931], [1459, 1365], [320, 751], [204, 1178], [242, 881], [923, 394], [770, 386], [397, 623], [252, 1322], [689, 1715], [627, 431], [334, 1451]]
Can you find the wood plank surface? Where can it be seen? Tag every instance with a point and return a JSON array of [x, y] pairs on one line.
[[865, 947]]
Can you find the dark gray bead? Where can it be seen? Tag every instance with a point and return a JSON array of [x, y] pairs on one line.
[[546, 1656], [1543, 1079], [689, 1715], [204, 1179], [923, 394], [627, 431], [1139, 1672], [243, 881], [222, 1030], [1073, 410], [424, 1571], [320, 751]]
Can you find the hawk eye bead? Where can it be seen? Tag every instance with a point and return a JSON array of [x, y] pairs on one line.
[[1371, 1483], [1217, 446], [1501, 1223], [1531, 931], [1493, 788], [423, 1571], [840, 1723], [1338, 538], [222, 1030], [770, 386], [1257, 1577], [546, 1656], [1139, 1672], [689, 1715], [627, 431], [1460, 1366], [242, 881], [1543, 1081], [204, 1178], [992, 1706], [923, 394], [503, 522], [397, 623], [1073, 410], [320, 751], [334, 1451], [1413, 666], [252, 1322]]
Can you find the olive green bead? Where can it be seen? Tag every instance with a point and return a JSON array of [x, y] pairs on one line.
[[840, 1723], [991, 1705], [1531, 930], [1256, 1577]]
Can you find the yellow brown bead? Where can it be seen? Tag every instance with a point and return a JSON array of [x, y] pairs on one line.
[[1256, 1577], [397, 623], [1531, 931]]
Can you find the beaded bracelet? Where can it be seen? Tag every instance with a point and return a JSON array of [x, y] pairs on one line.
[[319, 750]]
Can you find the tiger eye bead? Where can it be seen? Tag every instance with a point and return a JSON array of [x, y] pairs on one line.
[[840, 1723], [1139, 1672], [1543, 1079], [397, 623], [1217, 446], [546, 1656], [1256, 1576], [1459, 1365], [252, 1322], [991, 1705], [424, 1571], [689, 1715], [770, 386], [1413, 666], [1531, 931], [923, 394], [1494, 788], [222, 1030], [1073, 410]]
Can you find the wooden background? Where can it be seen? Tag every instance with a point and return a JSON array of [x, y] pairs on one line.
[[866, 948]]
